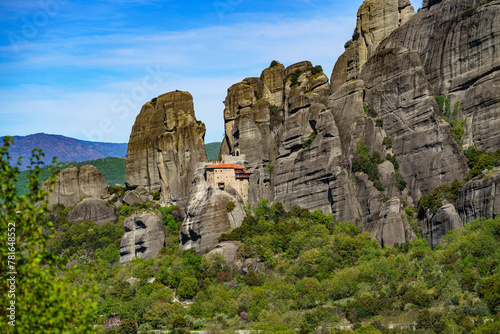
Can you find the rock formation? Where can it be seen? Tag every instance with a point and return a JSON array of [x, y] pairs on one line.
[[480, 197], [393, 226], [457, 43], [94, 209], [165, 147], [305, 140], [75, 183], [144, 237], [208, 216], [434, 226], [376, 20]]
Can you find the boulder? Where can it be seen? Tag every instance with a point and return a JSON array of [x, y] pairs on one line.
[[393, 226], [94, 209], [434, 226], [229, 249], [144, 237], [73, 183], [480, 197], [131, 197]]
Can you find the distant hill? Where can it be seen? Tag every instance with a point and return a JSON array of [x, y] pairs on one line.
[[113, 170], [64, 148], [212, 150]]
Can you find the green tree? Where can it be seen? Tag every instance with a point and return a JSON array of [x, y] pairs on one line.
[[127, 326], [188, 287], [44, 302]]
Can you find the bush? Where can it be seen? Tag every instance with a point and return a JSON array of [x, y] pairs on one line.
[[316, 70], [179, 322], [379, 122], [369, 111], [153, 101], [387, 141], [309, 140], [457, 130], [230, 206], [188, 287], [127, 326], [273, 109], [125, 210], [274, 63]]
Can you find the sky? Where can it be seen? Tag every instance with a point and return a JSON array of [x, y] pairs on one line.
[[83, 69]]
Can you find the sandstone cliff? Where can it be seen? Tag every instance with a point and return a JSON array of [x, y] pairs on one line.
[[165, 147], [74, 183]]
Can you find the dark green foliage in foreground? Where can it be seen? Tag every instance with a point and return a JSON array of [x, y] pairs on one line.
[[212, 150], [47, 298], [113, 170]]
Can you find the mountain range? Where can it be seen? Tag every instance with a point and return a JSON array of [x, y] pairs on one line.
[[64, 148]]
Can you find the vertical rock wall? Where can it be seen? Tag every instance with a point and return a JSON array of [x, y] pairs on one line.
[[165, 147]]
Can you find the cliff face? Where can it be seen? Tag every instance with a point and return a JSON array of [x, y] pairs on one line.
[[165, 147], [376, 20], [457, 43], [383, 97], [361, 147]]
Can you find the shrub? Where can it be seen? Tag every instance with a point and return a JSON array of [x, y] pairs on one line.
[[125, 210], [188, 287], [274, 63], [273, 109], [401, 181], [153, 101], [179, 322], [127, 326], [309, 140], [230, 206], [295, 78], [387, 141], [379, 122], [369, 111], [316, 70], [457, 130]]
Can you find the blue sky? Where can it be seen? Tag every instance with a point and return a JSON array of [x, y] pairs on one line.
[[83, 69]]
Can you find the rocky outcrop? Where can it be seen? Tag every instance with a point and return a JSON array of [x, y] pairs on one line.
[[434, 226], [480, 197], [228, 249], [144, 237], [393, 226], [74, 183], [457, 42], [377, 19], [94, 209], [397, 89], [208, 216], [165, 147]]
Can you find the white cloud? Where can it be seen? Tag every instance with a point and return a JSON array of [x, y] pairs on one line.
[[203, 61]]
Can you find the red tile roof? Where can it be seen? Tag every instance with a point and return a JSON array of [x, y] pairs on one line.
[[225, 166]]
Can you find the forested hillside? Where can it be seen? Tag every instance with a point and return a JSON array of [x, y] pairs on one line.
[[310, 271]]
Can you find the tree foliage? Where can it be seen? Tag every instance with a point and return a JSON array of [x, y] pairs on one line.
[[45, 300]]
